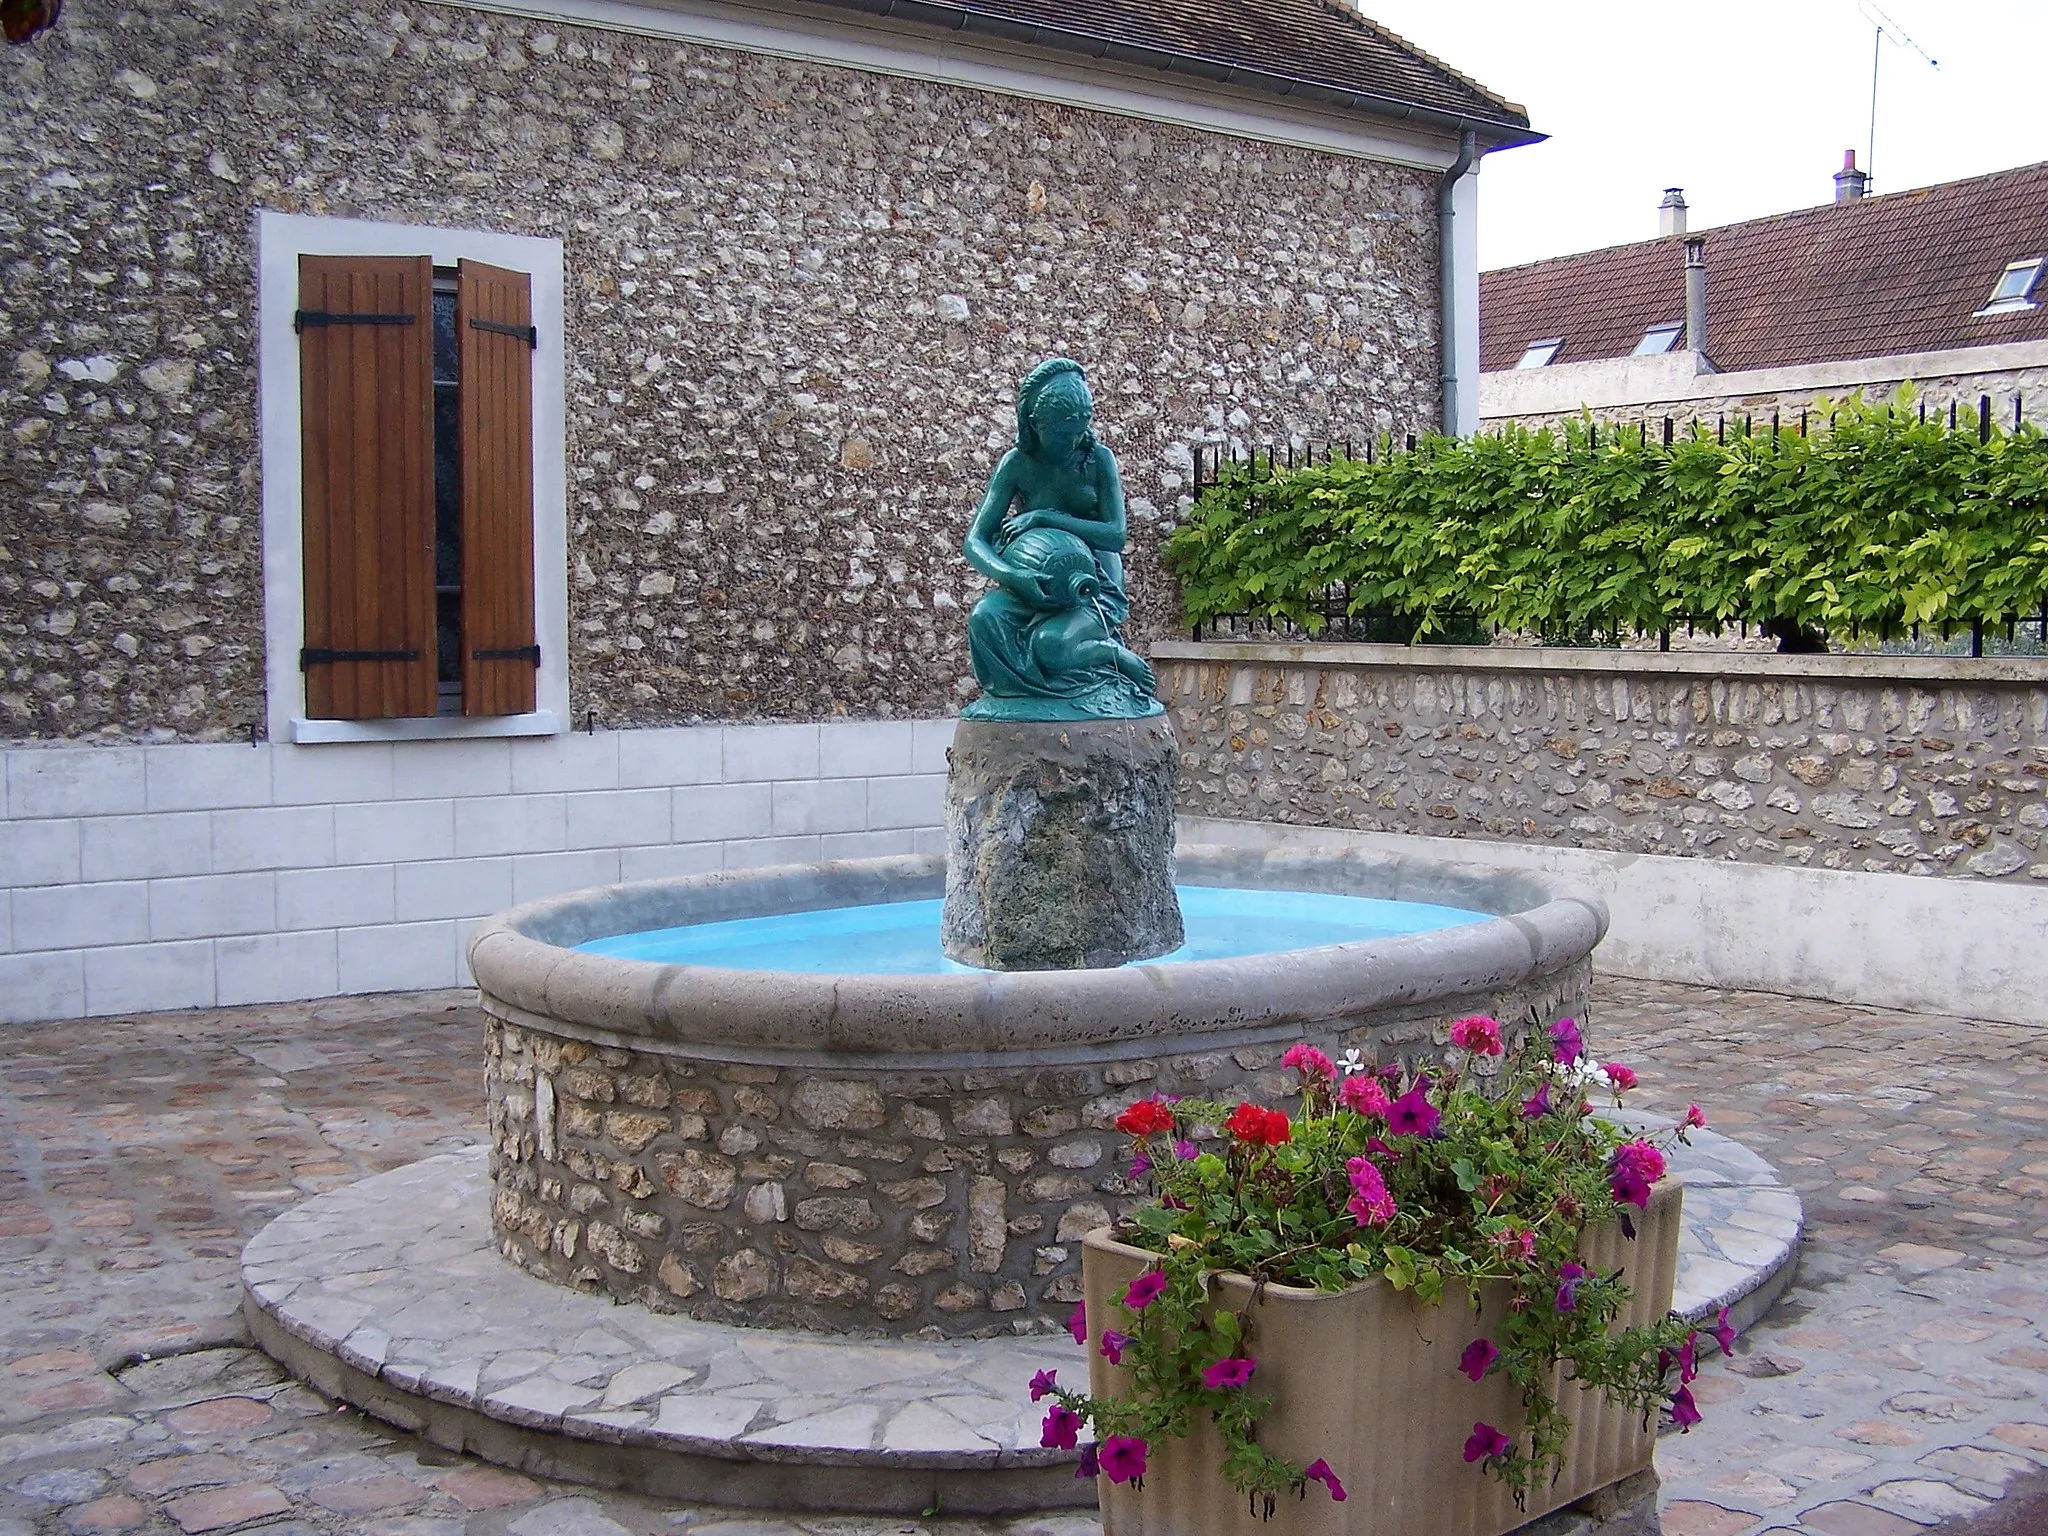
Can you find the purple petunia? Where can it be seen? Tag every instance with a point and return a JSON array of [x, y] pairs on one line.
[[1061, 1430], [1684, 1413], [1185, 1151], [1485, 1441], [1089, 1466], [1636, 1166], [1569, 1278], [1123, 1458], [1043, 1383], [1224, 1375], [1113, 1345], [1145, 1290], [1318, 1471], [1537, 1105], [1479, 1354], [1412, 1114], [1568, 1045], [1077, 1322], [1723, 1334]]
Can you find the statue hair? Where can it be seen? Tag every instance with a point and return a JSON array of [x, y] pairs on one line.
[[1055, 378]]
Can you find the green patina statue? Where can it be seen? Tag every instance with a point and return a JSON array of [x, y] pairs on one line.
[[1044, 643]]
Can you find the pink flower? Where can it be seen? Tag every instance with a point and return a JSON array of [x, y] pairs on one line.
[[1226, 1374], [1043, 1383], [1089, 1466], [1694, 1119], [1309, 1062], [1113, 1345], [1370, 1204], [1477, 1034], [1537, 1105], [1636, 1166], [1723, 1334], [1123, 1458], [1485, 1441], [1077, 1322], [1363, 1095], [1622, 1077], [1479, 1354], [1412, 1114], [1568, 1044], [1684, 1412], [1145, 1290], [1061, 1430], [1318, 1471], [1569, 1278], [1515, 1243], [1688, 1359]]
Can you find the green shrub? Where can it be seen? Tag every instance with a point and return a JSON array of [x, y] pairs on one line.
[[1860, 531]]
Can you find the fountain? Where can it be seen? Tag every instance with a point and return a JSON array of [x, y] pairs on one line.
[[833, 1133]]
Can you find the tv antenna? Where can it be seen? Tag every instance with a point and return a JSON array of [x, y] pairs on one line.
[[1887, 31]]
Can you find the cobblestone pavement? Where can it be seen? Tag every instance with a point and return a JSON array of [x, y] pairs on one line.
[[1897, 1387]]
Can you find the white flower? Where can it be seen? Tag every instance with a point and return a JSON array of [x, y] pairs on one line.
[[1351, 1062]]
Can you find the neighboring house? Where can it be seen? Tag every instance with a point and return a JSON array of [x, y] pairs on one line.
[[1945, 287], [456, 456]]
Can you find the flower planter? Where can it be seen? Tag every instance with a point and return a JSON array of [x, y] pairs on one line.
[[1368, 1379]]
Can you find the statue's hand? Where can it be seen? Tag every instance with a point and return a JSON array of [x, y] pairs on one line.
[[1023, 522]]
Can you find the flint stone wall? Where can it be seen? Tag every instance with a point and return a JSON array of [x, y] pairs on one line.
[[1906, 765], [936, 1201], [799, 301]]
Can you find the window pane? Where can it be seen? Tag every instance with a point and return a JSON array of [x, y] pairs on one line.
[[1658, 338], [1539, 353], [2016, 282]]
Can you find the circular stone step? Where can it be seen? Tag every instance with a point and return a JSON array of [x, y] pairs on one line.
[[390, 1295]]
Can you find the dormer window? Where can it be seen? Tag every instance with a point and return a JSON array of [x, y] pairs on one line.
[[1659, 339], [1539, 353], [2009, 294]]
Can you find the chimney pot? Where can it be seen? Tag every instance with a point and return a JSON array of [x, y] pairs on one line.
[[1671, 212], [1850, 183]]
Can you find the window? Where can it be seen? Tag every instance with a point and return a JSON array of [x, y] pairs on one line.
[[2010, 293], [1538, 353], [1659, 339], [414, 554]]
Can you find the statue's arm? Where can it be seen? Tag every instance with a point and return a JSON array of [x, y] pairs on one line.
[[988, 517]]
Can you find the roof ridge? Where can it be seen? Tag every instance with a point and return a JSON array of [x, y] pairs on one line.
[[1353, 12], [1853, 209]]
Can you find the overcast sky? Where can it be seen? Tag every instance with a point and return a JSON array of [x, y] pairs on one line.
[[1746, 104]]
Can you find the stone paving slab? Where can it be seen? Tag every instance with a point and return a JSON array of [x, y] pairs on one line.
[[397, 1276]]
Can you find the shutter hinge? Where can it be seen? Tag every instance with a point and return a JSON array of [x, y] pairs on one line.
[[321, 317], [508, 653], [526, 333], [320, 655]]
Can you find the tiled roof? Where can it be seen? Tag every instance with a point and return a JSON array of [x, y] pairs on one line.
[[1322, 50], [1903, 272]]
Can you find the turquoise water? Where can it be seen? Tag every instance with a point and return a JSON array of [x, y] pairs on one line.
[[901, 938]]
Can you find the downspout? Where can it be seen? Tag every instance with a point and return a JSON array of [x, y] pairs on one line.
[[1447, 275]]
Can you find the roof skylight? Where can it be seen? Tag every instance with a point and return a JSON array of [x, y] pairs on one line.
[[1659, 338], [2014, 284], [1538, 353]]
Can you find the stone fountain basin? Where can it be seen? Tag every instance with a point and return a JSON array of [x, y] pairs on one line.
[[920, 1154]]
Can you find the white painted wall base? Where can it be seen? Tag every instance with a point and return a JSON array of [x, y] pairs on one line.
[[188, 876], [1971, 948]]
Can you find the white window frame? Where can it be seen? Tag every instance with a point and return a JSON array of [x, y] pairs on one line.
[[281, 238], [1549, 346], [1670, 331], [2021, 301]]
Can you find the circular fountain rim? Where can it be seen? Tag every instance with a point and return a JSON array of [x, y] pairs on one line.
[[527, 970]]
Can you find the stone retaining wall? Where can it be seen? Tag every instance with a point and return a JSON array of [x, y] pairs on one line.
[[1900, 764], [929, 1199]]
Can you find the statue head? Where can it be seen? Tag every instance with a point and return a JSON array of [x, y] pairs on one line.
[[1065, 563], [1054, 409]]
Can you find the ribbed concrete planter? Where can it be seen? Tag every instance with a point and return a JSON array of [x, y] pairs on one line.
[[922, 1154], [1368, 1379]]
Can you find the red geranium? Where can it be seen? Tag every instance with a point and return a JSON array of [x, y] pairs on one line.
[[1145, 1117], [1258, 1127]]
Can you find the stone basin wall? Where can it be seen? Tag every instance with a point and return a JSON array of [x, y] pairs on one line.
[[931, 1197]]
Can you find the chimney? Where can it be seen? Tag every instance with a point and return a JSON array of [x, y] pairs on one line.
[[1696, 293], [1850, 183], [1671, 212]]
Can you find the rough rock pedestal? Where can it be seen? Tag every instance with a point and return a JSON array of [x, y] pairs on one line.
[[1060, 843]]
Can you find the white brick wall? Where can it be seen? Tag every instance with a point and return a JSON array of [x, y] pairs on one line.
[[141, 878]]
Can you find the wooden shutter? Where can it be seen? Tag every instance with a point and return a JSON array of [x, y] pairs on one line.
[[494, 329], [366, 379]]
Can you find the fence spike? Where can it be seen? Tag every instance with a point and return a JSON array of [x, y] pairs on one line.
[[1983, 418], [1667, 431]]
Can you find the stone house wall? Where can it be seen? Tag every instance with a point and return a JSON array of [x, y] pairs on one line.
[[1907, 765], [800, 297]]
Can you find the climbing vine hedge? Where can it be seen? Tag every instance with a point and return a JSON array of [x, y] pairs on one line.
[[1862, 529]]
